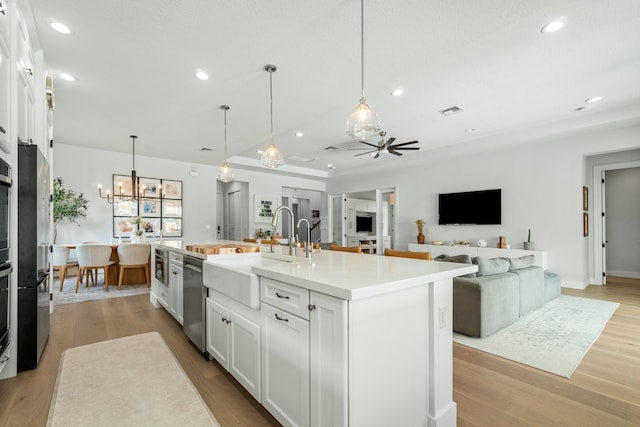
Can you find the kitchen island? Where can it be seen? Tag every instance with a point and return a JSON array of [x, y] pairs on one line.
[[341, 339]]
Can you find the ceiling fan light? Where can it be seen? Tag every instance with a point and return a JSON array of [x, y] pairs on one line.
[[271, 157], [363, 123]]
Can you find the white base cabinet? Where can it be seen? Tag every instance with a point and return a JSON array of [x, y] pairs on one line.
[[234, 341], [285, 366], [304, 355]]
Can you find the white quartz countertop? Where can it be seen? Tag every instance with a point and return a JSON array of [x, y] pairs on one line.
[[356, 276]]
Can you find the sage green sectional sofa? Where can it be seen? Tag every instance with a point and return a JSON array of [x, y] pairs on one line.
[[502, 291]]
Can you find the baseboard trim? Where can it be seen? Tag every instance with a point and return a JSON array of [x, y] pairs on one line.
[[574, 284], [629, 274]]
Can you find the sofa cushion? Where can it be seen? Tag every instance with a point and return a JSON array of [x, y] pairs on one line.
[[522, 262], [489, 266], [462, 259]]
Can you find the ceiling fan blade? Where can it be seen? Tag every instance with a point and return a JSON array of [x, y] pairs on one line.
[[395, 147], [377, 155], [395, 152], [389, 142], [362, 154], [370, 144], [405, 143]]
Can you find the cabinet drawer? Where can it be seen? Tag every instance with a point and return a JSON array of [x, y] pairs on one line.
[[175, 258], [287, 297]]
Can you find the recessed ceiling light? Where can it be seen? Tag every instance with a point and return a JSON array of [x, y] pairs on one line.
[[470, 130], [67, 77], [330, 166], [592, 100], [554, 25], [397, 92], [201, 75], [60, 27], [299, 134]]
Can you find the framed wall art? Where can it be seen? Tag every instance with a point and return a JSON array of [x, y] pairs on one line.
[[264, 206], [585, 198], [585, 224]]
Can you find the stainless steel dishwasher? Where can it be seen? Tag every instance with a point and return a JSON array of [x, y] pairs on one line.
[[194, 303]]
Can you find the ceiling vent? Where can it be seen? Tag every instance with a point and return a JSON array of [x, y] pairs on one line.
[[451, 110], [298, 158]]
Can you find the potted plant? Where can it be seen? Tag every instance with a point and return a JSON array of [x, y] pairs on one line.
[[68, 206], [529, 245]]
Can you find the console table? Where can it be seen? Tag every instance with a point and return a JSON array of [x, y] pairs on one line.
[[542, 256]]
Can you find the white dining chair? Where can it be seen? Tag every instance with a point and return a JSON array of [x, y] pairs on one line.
[[134, 255], [92, 258], [61, 262]]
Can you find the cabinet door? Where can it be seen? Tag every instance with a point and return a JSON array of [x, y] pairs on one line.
[[218, 332], [4, 95], [163, 296], [244, 354], [285, 366], [175, 284], [328, 361]]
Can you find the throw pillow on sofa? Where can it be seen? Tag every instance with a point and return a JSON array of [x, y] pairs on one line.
[[461, 259], [489, 266], [522, 262]]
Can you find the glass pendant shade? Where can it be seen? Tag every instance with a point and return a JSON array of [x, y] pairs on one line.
[[225, 174], [271, 157], [363, 123]]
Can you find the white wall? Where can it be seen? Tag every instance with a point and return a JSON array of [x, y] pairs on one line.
[[82, 169], [541, 186], [623, 222]]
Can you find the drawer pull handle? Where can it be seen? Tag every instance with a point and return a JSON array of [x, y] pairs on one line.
[[282, 296], [311, 307], [3, 130], [284, 319], [225, 320]]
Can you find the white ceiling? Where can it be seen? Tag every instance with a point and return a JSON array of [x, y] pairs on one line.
[[135, 62]]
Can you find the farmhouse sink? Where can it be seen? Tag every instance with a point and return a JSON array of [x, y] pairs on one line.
[[231, 275]]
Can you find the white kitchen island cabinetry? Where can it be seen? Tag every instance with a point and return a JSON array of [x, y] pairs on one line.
[[176, 286], [234, 341]]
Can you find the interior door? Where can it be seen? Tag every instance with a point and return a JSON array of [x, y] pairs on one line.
[[604, 232], [234, 215]]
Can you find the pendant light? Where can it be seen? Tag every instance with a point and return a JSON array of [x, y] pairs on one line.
[[363, 123], [225, 174], [271, 157], [120, 196]]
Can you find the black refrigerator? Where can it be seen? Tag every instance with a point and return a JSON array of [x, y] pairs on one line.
[[34, 251]]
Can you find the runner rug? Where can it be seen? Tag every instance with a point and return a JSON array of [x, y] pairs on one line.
[[130, 381]]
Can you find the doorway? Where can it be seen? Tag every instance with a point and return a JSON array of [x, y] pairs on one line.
[[614, 237], [233, 210], [304, 204]]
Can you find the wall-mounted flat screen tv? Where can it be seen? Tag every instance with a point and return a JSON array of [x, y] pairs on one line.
[[470, 207], [364, 223]]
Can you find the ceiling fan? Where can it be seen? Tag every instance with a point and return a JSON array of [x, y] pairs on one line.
[[385, 147]]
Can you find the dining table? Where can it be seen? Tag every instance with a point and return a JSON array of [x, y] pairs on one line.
[[132, 276]]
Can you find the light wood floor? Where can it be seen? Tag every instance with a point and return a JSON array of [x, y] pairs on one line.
[[490, 391]]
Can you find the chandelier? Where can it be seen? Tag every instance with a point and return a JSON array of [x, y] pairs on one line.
[[121, 195]]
